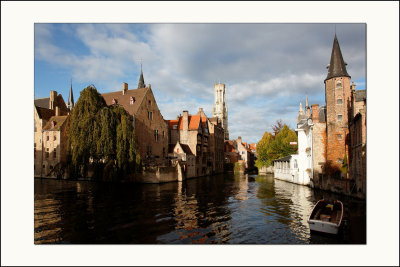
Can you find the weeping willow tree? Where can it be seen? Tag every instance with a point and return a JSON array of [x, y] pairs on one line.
[[101, 137]]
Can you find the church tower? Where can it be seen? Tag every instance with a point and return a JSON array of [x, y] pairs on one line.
[[70, 103], [141, 83], [337, 98], [220, 109]]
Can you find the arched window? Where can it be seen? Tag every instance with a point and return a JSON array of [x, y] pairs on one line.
[[339, 84]]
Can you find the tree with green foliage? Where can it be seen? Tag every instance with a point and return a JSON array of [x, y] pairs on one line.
[[275, 146], [264, 149], [102, 137]]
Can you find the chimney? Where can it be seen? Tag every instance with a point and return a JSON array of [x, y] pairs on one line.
[[124, 88], [315, 113], [185, 120], [57, 111], [353, 86], [308, 112], [53, 96]]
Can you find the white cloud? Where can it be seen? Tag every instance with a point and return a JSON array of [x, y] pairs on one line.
[[278, 64]]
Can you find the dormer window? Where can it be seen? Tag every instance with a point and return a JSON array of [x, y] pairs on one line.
[[53, 123], [114, 101], [132, 100]]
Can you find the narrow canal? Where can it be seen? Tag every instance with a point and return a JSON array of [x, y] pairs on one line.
[[221, 209]]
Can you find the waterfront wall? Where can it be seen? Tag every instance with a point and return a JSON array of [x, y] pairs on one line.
[[266, 170], [337, 185]]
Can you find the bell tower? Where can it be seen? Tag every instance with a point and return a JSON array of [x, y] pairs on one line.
[[220, 109], [337, 98]]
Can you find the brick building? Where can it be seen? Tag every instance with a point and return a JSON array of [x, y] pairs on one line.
[[338, 100], [150, 128], [190, 130], [183, 154], [231, 154], [339, 131], [216, 141], [236, 150], [44, 109], [55, 138], [358, 135]]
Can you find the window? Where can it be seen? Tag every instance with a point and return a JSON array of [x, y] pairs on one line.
[[54, 153], [175, 127], [163, 134], [132, 100], [35, 128], [51, 167], [34, 151], [339, 137], [149, 102], [339, 117], [295, 163], [156, 135], [338, 84], [114, 101], [150, 115], [47, 153], [47, 138], [55, 138], [339, 101]]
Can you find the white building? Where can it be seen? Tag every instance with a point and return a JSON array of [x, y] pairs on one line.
[[298, 168]]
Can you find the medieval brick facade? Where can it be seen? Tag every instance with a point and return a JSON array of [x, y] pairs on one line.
[[150, 128]]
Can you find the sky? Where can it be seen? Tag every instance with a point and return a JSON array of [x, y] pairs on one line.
[[268, 69]]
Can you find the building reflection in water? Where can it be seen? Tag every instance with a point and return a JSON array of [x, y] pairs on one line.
[[242, 181]]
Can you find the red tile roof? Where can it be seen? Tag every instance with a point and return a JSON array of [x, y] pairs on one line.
[[194, 122], [171, 123], [253, 146]]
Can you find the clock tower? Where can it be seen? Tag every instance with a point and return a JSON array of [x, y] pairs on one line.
[[220, 109]]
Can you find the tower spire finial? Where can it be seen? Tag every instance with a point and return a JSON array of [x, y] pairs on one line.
[[307, 106], [141, 83], [71, 102]]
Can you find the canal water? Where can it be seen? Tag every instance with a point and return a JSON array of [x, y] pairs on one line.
[[220, 209]]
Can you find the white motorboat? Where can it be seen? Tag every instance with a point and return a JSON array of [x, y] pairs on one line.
[[326, 217]]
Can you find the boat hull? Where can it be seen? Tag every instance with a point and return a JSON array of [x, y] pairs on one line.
[[323, 227], [324, 221]]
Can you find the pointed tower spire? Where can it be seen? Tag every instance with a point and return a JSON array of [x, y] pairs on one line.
[[141, 83], [301, 110], [308, 109], [337, 66], [71, 103]]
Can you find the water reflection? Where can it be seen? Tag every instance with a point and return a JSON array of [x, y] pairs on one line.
[[221, 209]]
